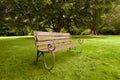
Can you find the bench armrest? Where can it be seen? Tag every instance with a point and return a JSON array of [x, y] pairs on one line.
[[51, 46]]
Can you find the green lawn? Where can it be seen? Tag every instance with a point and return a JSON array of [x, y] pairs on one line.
[[100, 60]]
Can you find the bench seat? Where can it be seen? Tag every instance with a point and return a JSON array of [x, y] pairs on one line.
[[60, 47]]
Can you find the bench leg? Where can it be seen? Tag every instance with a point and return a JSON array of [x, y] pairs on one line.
[[69, 49], [80, 41], [37, 57], [52, 64], [75, 50]]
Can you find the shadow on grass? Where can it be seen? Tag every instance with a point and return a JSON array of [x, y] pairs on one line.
[[61, 57], [89, 36]]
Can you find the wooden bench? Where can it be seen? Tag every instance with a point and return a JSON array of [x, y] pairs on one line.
[[50, 42]]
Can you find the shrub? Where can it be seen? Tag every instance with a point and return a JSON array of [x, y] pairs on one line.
[[74, 30], [107, 31], [86, 32]]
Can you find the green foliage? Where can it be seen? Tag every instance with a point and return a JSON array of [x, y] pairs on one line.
[[112, 23], [114, 19], [54, 15], [107, 31], [74, 30], [86, 32]]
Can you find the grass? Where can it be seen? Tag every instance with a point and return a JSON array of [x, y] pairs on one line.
[[100, 60]]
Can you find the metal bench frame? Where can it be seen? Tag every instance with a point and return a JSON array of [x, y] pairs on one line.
[[51, 39]]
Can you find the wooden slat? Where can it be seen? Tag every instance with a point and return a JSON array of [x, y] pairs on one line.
[[42, 43], [50, 33], [51, 38], [44, 36], [50, 42], [66, 46]]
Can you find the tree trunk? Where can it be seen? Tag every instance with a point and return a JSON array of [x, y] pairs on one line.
[[56, 29], [93, 32]]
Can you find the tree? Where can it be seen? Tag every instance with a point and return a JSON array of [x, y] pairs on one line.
[[114, 20], [96, 11], [54, 15]]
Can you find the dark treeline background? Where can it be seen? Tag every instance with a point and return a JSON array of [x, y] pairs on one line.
[[22, 17]]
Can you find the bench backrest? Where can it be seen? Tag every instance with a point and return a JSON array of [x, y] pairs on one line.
[[43, 38]]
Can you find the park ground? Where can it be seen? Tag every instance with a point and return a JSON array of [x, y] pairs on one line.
[[99, 60]]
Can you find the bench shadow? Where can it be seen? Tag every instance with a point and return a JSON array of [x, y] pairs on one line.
[[88, 37], [60, 57]]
